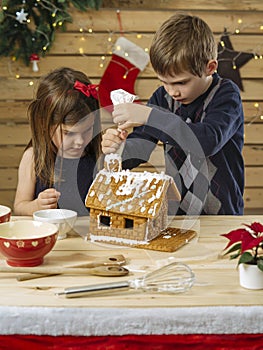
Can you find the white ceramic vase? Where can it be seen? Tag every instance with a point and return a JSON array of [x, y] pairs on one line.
[[250, 276]]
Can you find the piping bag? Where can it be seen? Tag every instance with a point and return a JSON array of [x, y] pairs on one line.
[[172, 278], [121, 96]]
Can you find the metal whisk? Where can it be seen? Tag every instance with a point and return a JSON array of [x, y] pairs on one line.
[[172, 278]]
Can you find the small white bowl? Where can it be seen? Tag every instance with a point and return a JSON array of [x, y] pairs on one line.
[[64, 219]]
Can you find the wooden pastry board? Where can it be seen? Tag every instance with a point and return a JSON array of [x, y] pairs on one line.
[[169, 240]]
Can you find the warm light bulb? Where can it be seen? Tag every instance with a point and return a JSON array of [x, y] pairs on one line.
[[17, 76], [139, 36], [222, 43], [256, 105], [90, 30], [31, 83], [81, 51]]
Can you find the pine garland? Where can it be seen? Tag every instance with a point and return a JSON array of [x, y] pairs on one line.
[[27, 27]]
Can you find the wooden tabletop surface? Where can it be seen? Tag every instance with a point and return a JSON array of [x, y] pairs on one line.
[[216, 277]]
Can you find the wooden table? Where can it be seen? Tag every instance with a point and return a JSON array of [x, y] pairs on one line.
[[215, 305]]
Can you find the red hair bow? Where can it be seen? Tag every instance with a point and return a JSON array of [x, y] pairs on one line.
[[88, 90]]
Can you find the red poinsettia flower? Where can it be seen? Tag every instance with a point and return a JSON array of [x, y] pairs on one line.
[[246, 242], [256, 227]]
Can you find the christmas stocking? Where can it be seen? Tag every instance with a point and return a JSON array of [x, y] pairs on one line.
[[126, 63]]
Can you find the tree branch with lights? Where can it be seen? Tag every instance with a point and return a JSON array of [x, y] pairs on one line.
[[27, 27]]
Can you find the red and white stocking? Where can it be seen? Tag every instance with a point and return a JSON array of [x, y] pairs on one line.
[[126, 63]]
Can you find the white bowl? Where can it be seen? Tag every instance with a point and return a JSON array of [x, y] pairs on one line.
[[64, 219]]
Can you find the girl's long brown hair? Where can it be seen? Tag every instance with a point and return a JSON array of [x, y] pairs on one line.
[[56, 103]]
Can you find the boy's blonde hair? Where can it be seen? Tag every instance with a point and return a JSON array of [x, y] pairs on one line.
[[182, 43]]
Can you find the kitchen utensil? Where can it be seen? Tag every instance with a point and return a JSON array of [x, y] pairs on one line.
[[172, 278], [115, 260], [97, 271]]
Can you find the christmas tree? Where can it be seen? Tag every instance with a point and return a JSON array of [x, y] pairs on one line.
[[27, 27]]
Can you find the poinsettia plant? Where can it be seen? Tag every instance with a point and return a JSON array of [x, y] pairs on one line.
[[247, 244]]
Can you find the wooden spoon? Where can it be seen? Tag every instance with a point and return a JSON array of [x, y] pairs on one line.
[[36, 272]]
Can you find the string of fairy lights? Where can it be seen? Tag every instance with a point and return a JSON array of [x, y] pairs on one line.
[[59, 19], [258, 114]]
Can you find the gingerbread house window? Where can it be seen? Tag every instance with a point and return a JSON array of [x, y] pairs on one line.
[[128, 223], [104, 221]]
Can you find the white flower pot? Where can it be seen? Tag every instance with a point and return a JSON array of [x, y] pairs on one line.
[[250, 276]]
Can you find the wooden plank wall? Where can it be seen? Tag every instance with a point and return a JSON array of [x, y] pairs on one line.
[[81, 49]]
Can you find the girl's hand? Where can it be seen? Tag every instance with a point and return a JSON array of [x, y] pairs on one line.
[[129, 115], [112, 140], [48, 199]]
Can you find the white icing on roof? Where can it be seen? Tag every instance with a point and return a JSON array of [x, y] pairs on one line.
[[137, 193]]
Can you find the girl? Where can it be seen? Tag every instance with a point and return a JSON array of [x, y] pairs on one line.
[[60, 161]]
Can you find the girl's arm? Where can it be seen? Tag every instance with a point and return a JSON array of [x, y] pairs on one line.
[[25, 203]]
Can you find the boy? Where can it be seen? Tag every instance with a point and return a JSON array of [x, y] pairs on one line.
[[196, 114]]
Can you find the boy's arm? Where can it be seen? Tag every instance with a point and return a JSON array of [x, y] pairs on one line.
[[223, 122]]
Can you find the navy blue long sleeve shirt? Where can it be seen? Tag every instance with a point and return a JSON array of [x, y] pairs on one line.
[[203, 144]]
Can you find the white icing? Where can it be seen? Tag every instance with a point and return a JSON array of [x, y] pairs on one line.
[[152, 210], [111, 159], [138, 186], [150, 200], [92, 193], [95, 238]]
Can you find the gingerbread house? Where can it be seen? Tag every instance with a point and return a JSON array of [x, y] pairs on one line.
[[128, 207]]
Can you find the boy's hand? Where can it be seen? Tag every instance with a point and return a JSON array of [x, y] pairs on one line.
[[48, 199], [129, 115], [112, 140]]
